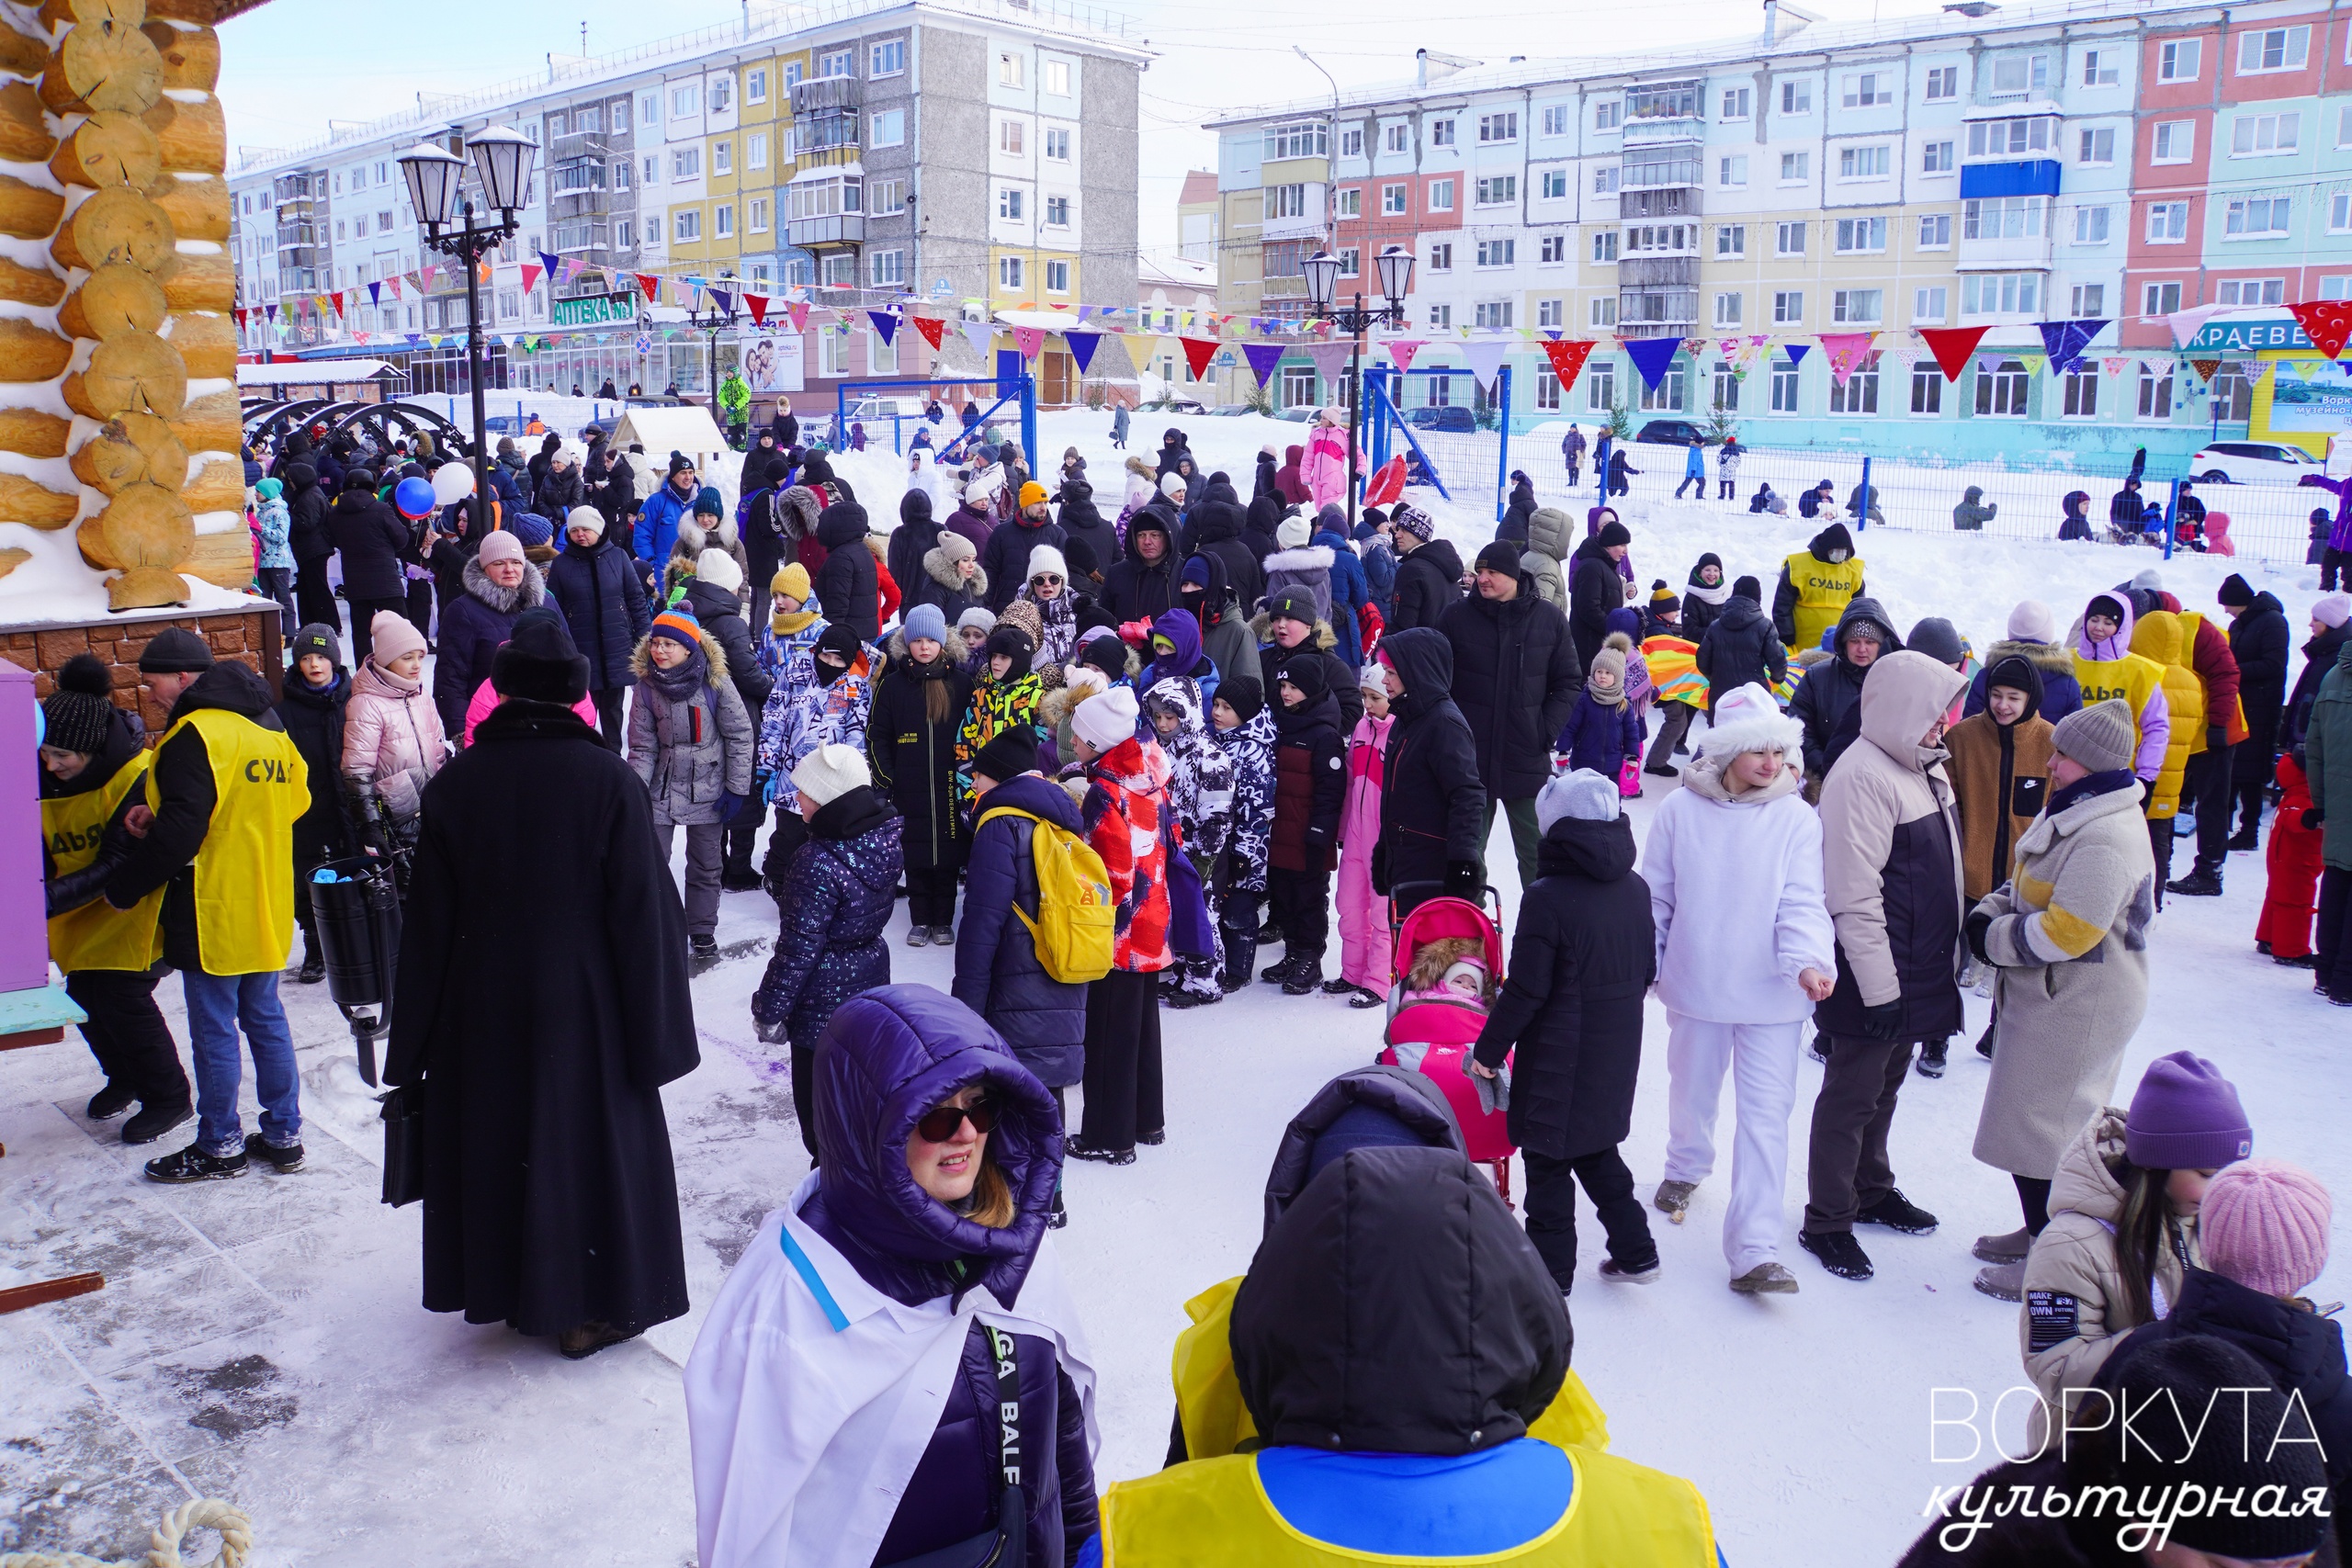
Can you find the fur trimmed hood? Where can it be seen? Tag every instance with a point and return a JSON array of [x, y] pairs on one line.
[[531, 591], [940, 569], [2050, 658], [1300, 560], [640, 660]]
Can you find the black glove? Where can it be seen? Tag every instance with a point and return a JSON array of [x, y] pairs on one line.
[[70, 892], [1884, 1021], [2216, 736], [1318, 840], [1980, 926], [1463, 878], [2313, 817]]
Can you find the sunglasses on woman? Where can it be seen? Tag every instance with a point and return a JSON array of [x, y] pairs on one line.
[[1047, 577], [939, 1127]]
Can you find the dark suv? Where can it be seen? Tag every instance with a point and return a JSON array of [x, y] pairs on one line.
[[1671, 433], [1445, 416]]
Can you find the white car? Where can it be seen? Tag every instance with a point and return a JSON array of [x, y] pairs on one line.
[[2252, 462]]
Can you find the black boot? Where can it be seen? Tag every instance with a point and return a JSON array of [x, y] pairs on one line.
[[2248, 838], [1240, 959], [314, 966], [1931, 1057], [1306, 977], [2202, 882], [1282, 968], [1985, 1040]]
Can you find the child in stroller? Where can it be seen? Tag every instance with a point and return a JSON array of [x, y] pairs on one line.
[[1448, 964]]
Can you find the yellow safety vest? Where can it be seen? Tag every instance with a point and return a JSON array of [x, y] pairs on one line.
[[244, 871], [2132, 677], [1216, 1422], [1824, 590], [1216, 1512], [97, 935]]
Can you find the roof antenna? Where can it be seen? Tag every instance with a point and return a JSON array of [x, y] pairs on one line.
[[583, 37]]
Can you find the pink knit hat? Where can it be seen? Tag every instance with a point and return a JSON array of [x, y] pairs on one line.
[[2264, 1224], [391, 634]]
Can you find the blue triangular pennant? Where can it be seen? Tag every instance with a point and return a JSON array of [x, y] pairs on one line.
[[1796, 352], [886, 325], [2064, 342], [1651, 356], [1082, 348]]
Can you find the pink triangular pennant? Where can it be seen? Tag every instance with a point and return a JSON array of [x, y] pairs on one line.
[[1402, 349]]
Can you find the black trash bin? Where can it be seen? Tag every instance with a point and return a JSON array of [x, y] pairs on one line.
[[357, 911]]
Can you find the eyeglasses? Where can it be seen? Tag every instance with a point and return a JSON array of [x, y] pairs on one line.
[[1047, 577], [940, 1125]]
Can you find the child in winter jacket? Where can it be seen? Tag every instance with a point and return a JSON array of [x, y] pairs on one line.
[[1363, 918], [392, 739], [1451, 969], [825, 698], [1200, 794], [1310, 785], [274, 562], [1624, 625], [2290, 899], [1602, 732], [2000, 773], [1126, 819], [1243, 728], [691, 744], [793, 622], [1006, 694]]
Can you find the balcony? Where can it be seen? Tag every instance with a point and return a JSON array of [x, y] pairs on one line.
[[837, 229], [1661, 170], [836, 94], [2028, 253]]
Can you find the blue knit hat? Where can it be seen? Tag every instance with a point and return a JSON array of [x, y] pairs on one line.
[[926, 621]]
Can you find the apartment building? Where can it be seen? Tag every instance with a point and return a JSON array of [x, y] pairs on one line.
[[1995, 165], [855, 154]]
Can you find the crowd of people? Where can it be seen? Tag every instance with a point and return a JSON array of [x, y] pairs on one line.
[[1107, 761]]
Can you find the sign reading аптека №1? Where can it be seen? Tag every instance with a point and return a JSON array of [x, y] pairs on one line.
[[596, 311]]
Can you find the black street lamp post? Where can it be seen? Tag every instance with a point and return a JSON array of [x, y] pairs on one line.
[[711, 314], [1322, 269], [503, 160]]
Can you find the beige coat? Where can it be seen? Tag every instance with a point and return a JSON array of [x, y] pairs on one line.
[[1549, 542], [2072, 1268], [2070, 940]]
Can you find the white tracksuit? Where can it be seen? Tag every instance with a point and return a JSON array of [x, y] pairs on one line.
[[1729, 953]]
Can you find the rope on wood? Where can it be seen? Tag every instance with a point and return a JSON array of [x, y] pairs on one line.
[[164, 1546]]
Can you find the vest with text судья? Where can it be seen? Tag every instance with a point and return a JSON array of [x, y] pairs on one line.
[[1823, 589], [2132, 678], [97, 935], [244, 892]]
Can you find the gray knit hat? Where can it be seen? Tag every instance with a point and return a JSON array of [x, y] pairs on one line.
[[2102, 737]]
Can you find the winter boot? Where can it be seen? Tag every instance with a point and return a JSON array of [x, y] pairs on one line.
[[154, 1121], [1638, 1272], [283, 1161], [1897, 1212], [111, 1101], [1673, 1198], [314, 966], [1367, 998], [2002, 1282], [1819, 1051], [1766, 1280], [918, 936], [2202, 882], [1306, 978], [2009, 1248], [1985, 1040], [1839, 1253], [2244, 838], [192, 1163], [1282, 968], [1931, 1057], [1241, 955]]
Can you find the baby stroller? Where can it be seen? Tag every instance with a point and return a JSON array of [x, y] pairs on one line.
[[1434, 1037]]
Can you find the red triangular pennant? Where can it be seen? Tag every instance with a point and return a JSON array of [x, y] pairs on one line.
[[1198, 352], [647, 283], [1567, 356], [931, 328], [758, 305], [2328, 322], [1952, 346]]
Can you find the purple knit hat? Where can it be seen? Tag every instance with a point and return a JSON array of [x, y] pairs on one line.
[[2264, 1224], [2185, 1116]]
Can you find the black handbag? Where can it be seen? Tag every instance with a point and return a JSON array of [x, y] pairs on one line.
[[403, 1116], [1007, 1546]]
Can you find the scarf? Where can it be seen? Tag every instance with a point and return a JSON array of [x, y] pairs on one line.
[[793, 622], [2090, 784], [678, 684]]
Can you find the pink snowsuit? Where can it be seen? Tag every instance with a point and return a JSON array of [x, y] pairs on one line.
[[1363, 918], [486, 697], [1326, 467]]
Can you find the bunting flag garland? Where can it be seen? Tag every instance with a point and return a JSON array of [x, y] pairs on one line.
[[1198, 352], [1029, 339], [931, 328], [758, 305], [375, 294], [2328, 324], [429, 272], [1082, 344], [1651, 356], [2064, 342], [1847, 351], [272, 309], [799, 314], [2113, 366], [2185, 323], [2205, 368], [1952, 348], [550, 265], [1262, 358], [1485, 359], [647, 285], [1567, 356], [1330, 358], [240, 313], [1402, 350], [337, 298], [723, 300], [1796, 352], [886, 326], [981, 336], [530, 276]]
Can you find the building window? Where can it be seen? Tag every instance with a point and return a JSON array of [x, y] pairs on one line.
[[1441, 257], [1601, 380], [1497, 253], [685, 164], [1929, 305], [1604, 179], [2001, 389], [1351, 202], [1298, 386], [1869, 89], [1396, 138], [1057, 278], [1057, 145], [2339, 213], [1860, 394], [1785, 388], [1604, 246], [1555, 185], [2168, 223], [1727, 312], [885, 199], [1731, 238], [1547, 394], [756, 149], [2001, 217], [887, 58], [1726, 395], [2256, 135], [2256, 216], [1667, 397], [1442, 133], [722, 95], [1440, 195], [1494, 315], [755, 85], [1861, 236], [2275, 49], [2155, 394], [2175, 141], [1550, 313], [887, 127], [1498, 190], [1856, 307], [1008, 272], [648, 108], [1604, 310], [1943, 84], [2001, 293], [2159, 300], [625, 234], [1057, 213], [759, 215], [1392, 199], [1737, 102], [1008, 137], [1927, 389], [1794, 167], [1498, 127], [1350, 261], [2081, 394], [2015, 76], [1057, 78], [652, 167], [2097, 147], [1788, 239], [1552, 249], [722, 157], [1862, 163], [1796, 97], [2091, 225], [1555, 119], [1936, 158], [1788, 307], [1008, 202], [1010, 71], [685, 102], [1441, 318], [685, 224], [2250, 291], [793, 72], [722, 220], [1935, 230], [2102, 67], [2090, 300], [2177, 60], [1286, 201]]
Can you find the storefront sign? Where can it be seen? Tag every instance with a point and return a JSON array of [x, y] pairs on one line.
[[597, 310], [2280, 334]]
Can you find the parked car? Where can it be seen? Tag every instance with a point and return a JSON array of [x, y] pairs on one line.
[[1295, 416], [1184, 405], [1447, 417], [883, 407], [1230, 411], [1671, 433], [2252, 462]]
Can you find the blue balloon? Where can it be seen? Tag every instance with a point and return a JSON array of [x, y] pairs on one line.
[[413, 497]]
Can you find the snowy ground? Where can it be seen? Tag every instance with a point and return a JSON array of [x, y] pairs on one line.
[[260, 1340]]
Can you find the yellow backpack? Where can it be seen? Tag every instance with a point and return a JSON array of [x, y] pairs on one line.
[[1075, 923]]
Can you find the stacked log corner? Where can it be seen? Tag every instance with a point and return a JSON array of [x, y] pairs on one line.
[[118, 396]]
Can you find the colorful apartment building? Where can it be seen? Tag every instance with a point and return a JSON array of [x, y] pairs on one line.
[[1995, 165]]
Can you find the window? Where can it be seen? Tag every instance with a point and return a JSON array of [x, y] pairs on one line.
[[2250, 291], [2168, 223], [722, 220], [1604, 245], [2155, 394], [2339, 213], [1057, 213], [793, 72], [1498, 127], [1442, 317], [758, 215], [1871, 88], [1497, 253], [1555, 185], [1943, 84], [1494, 315], [648, 108], [1440, 195], [755, 85], [685, 164], [1604, 179], [1793, 167], [2159, 300], [1735, 102], [1862, 163], [1796, 97], [1351, 142], [1731, 173], [2090, 299], [1392, 199], [1998, 138], [1860, 394], [1601, 380], [1550, 313], [1788, 307], [2102, 67], [2276, 48], [1286, 201], [2097, 147], [1008, 272], [1057, 79], [756, 149], [2081, 394], [1608, 115], [2091, 226], [1441, 257], [2177, 60], [2335, 287], [686, 223], [2343, 126], [1351, 202], [1726, 389], [2001, 217], [625, 234], [1860, 236], [1785, 388], [2175, 141], [1927, 389], [1731, 238], [1547, 394], [1935, 230], [1057, 278], [886, 197], [2015, 76], [2001, 293], [1396, 138], [685, 101], [1010, 71], [1928, 306], [1440, 133], [888, 266], [1499, 190], [1936, 158], [1057, 145], [2001, 389], [722, 95], [1555, 119], [2255, 217], [1553, 250], [1009, 136], [1674, 237], [1856, 306], [1727, 310], [722, 157], [2254, 135], [652, 167], [1789, 238], [887, 127], [1008, 202]]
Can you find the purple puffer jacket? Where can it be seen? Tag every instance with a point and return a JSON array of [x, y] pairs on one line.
[[887, 1057], [836, 897], [2340, 537]]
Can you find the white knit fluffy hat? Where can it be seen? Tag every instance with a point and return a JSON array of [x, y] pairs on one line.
[[586, 517], [1748, 719], [1103, 720], [1045, 559], [1295, 531], [830, 772], [718, 569]]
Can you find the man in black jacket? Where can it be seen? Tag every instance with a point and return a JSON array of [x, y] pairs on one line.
[[1740, 647], [1595, 586], [1429, 572], [1582, 957], [312, 543], [1141, 586], [2259, 642], [766, 547], [1516, 678], [1216, 529], [1433, 806], [373, 544], [1830, 687]]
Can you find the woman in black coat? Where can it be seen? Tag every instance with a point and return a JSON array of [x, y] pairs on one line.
[[2259, 641], [1433, 806], [1581, 960], [314, 715], [846, 585], [1595, 586], [911, 733], [1740, 647], [312, 543], [373, 544], [1082, 524], [1521, 507]]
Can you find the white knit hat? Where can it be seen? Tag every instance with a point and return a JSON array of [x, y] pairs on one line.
[[1582, 794], [1105, 720], [2333, 610], [586, 517], [1370, 678], [2032, 621], [1748, 719], [718, 569], [1044, 559], [830, 772], [1295, 531], [1171, 483]]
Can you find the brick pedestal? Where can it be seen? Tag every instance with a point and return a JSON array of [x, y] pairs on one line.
[[253, 635]]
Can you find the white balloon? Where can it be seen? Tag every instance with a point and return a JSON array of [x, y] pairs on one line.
[[452, 482]]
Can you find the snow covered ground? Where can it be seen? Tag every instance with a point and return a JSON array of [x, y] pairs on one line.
[[260, 1340]]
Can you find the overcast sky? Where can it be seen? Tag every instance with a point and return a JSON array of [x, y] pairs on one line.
[[293, 65]]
